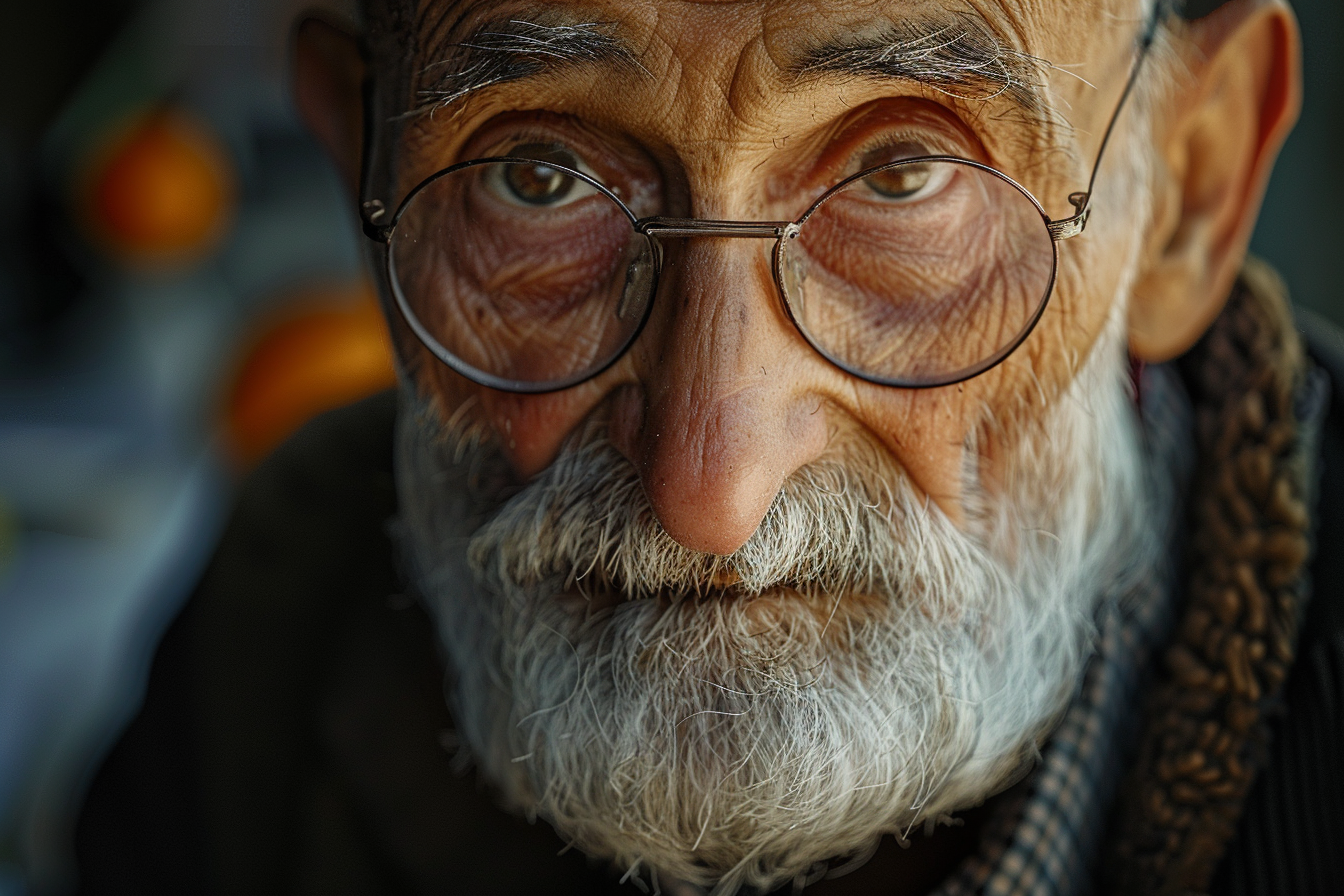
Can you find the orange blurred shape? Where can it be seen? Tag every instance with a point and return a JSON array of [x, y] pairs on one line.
[[161, 192], [332, 351]]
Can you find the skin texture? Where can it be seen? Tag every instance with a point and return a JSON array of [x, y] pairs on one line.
[[720, 399]]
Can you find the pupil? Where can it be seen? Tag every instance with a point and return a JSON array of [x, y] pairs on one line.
[[538, 184], [900, 182]]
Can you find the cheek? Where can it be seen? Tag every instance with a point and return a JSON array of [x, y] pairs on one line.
[[1032, 381], [926, 431], [930, 430], [1086, 293], [531, 428]]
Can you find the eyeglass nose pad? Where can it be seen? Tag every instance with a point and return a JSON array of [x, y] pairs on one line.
[[639, 278], [792, 275]]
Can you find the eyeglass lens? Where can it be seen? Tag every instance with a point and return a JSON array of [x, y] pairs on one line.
[[523, 277], [919, 273]]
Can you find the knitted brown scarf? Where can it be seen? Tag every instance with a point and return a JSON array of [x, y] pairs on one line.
[[1205, 733]]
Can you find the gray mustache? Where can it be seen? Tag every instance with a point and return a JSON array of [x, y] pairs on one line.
[[849, 522]]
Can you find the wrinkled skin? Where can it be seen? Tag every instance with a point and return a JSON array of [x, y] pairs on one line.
[[721, 399]]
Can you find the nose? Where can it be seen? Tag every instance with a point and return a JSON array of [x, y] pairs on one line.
[[728, 403]]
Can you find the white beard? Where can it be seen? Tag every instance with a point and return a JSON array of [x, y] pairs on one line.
[[873, 668]]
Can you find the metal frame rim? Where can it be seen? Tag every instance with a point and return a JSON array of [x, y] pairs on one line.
[[476, 375], [647, 228]]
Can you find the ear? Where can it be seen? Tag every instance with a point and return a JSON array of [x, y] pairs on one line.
[[1223, 129], [328, 80]]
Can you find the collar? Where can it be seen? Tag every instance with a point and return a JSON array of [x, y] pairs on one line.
[[1259, 407]]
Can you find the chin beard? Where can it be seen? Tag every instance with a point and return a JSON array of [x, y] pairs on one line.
[[859, 667]]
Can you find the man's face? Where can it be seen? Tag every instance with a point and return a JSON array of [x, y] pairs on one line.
[[725, 609], [722, 110]]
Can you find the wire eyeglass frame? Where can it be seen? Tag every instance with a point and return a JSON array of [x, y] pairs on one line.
[[379, 227]]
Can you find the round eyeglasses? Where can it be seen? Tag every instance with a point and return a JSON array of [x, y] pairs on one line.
[[524, 274]]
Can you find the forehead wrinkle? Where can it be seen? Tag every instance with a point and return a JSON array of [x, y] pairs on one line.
[[736, 81]]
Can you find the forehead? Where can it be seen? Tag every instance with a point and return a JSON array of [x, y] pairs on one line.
[[1031, 77], [1037, 55], [784, 26]]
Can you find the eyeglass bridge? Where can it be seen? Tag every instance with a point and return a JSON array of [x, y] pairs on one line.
[[663, 226]]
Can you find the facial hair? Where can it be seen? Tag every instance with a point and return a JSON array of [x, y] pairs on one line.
[[860, 666]]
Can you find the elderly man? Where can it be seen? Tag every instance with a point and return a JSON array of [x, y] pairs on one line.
[[788, 470]]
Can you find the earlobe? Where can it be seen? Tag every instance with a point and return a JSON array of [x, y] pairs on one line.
[[1224, 126], [328, 76]]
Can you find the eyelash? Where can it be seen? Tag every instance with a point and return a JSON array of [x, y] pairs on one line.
[[931, 143], [597, 161], [503, 145]]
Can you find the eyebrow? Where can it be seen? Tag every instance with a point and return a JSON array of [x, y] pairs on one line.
[[960, 57], [513, 50]]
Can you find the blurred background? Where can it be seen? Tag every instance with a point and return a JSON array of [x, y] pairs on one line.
[[180, 288]]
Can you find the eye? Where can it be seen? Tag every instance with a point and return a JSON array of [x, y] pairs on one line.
[[537, 184], [903, 182], [540, 185]]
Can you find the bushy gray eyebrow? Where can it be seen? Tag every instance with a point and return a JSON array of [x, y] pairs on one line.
[[959, 57], [515, 49]]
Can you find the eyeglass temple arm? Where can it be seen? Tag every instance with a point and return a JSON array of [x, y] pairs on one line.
[[1067, 228]]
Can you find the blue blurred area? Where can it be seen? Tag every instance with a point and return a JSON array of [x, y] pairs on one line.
[[113, 487]]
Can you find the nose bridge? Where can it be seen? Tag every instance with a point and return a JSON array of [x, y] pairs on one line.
[[724, 377], [719, 326]]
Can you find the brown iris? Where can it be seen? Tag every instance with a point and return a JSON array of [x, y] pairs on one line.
[[540, 184], [900, 182]]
